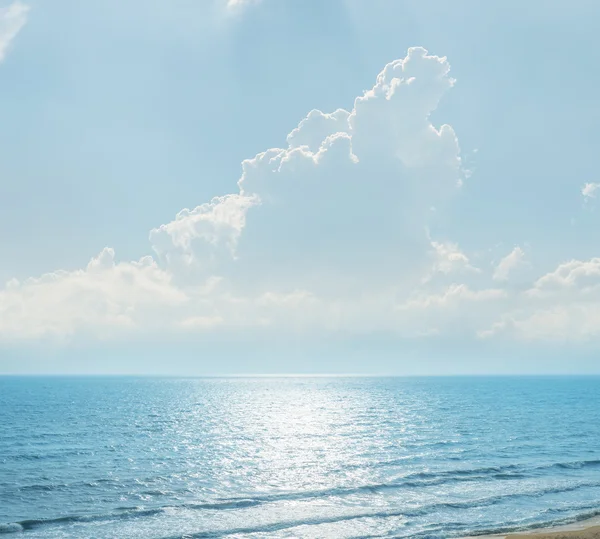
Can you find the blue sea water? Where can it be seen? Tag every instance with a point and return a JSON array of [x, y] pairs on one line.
[[295, 457]]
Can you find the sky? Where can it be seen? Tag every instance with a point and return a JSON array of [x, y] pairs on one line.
[[270, 186]]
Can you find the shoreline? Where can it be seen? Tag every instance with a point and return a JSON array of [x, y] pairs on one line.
[[582, 529]]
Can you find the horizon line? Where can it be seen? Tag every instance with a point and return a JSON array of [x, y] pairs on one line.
[[291, 375]]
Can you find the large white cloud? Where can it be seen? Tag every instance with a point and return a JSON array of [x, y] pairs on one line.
[[346, 203], [329, 232], [12, 19]]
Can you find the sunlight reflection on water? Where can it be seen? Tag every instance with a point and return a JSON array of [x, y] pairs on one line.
[[296, 457]]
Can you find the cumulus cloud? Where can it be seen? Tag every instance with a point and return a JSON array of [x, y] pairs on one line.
[[12, 19], [328, 229], [328, 232], [393, 117], [344, 204], [104, 298], [203, 236], [316, 127], [581, 276]]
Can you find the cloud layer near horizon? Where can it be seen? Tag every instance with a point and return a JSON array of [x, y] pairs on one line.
[[328, 233]]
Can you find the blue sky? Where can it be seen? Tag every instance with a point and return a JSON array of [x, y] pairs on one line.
[[372, 241]]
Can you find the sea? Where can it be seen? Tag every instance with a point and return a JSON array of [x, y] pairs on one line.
[[302, 457]]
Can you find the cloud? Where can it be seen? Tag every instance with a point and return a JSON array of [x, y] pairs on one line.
[[448, 258], [201, 322], [571, 323], [329, 232], [455, 293], [392, 119], [562, 305], [346, 203], [457, 310], [576, 275], [316, 127], [12, 19], [104, 298], [204, 235], [239, 4], [589, 190], [512, 262]]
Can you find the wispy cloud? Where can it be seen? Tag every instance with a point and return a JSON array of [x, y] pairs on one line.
[[12, 19], [238, 4], [589, 190], [511, 262]]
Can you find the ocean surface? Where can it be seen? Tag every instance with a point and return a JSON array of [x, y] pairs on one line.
[[295, 457]]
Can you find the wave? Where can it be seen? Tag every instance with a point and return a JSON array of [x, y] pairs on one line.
[[57, 455], [127, 483], [411, 480], [572, 465], [457, 527], [578, 464], [14, 527], [415, 480], [29, 524], [137, 512]]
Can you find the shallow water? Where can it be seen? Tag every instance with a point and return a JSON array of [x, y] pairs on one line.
[[296, 457]]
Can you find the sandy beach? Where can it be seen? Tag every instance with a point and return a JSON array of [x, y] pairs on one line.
[[588, 533], [585, 529]]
